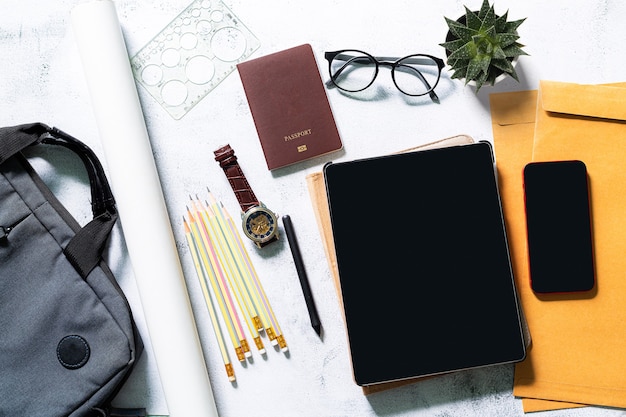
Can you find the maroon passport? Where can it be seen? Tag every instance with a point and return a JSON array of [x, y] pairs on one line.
[[289, 106]]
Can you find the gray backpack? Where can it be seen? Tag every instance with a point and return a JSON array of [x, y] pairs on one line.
[[68, 340]]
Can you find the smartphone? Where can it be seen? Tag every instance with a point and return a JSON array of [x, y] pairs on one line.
[[559, 228]]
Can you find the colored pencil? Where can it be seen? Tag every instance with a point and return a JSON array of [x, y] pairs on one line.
[[211, 264], [202, 278]]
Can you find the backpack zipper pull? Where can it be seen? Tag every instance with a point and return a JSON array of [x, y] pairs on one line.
[[4, 232]]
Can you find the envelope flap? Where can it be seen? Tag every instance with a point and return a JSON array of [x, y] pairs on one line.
[[513, 108], [600, 101]]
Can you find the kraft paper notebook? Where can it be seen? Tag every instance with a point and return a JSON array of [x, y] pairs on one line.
[[398, 282], [577, 355], [319, 200], [289, 106]]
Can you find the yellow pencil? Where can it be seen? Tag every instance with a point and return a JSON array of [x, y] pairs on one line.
[[202, 278], [226, 306], [272, 328]]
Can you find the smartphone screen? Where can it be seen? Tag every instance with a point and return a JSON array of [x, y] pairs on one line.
[[558, 221]]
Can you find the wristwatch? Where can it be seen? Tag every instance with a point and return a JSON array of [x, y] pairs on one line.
[[259, 223]]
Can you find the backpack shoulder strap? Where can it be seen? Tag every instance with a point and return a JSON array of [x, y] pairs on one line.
[[16, 138]]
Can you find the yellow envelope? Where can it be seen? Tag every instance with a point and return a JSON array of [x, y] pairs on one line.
[[513, 125], [578, 351]]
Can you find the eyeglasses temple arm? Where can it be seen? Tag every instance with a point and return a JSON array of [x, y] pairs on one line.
[[433, 96]]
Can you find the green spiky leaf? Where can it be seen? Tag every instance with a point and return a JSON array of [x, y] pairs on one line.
[[467, 51], [453, 45], [484, 8], [513, 51], [504, 65], [506, 39], [474, 68], [501, 22], [458, 30], [498, 53], [489, 20], [512, 26], [458, 75], [472, 20], [481, 80]]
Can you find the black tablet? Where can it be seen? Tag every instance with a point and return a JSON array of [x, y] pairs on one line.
[[423, 263]]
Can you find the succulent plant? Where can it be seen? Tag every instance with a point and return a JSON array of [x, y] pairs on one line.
[[481, 45]]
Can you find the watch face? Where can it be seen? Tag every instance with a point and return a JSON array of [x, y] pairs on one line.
[[259, 224]]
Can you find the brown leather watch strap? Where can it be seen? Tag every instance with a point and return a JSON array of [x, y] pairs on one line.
[[228, 161]]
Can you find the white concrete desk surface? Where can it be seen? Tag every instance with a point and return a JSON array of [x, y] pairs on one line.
[[41, 79]]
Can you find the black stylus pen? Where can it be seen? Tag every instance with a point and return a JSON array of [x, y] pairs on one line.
[[304, 281]]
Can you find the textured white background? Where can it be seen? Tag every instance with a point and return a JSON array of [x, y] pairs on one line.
[[41, 79]]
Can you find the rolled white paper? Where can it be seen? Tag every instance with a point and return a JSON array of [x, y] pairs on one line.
[[143, 215]]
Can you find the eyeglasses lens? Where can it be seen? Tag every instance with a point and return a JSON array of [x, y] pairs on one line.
[[352, 70], [416, 74]]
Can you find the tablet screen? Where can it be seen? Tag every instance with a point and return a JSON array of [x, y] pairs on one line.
[[423, 263]]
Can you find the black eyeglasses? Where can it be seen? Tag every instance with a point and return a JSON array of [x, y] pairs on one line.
[[414, 75]]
